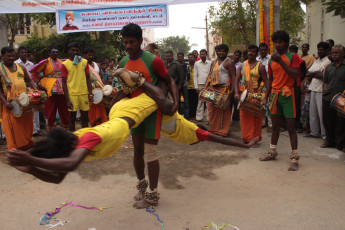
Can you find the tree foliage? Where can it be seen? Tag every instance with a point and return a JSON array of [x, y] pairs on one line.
[[40, 46], [176, 44], [236, 20], [336, 6], [292, 18]]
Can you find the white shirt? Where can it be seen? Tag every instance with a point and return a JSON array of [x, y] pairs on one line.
[[28, 65], [316, 85], [201, 71], [95, 66], [264, 62]]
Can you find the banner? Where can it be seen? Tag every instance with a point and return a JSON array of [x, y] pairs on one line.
[[111, 18], [42, 6]]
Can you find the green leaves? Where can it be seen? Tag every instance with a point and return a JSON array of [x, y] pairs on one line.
[[336, 6], [176, 44]]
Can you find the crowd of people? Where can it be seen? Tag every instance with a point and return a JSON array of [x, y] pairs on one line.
[[296, 91]]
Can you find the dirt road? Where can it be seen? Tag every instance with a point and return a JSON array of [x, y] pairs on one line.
[[198, 184]]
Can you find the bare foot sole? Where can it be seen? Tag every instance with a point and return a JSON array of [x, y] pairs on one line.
[[253, 142], [143, 204], [293, 167], [140, 195], [267, 158]]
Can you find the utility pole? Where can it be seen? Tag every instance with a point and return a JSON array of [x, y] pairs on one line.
[[207, 42], [3, 31]]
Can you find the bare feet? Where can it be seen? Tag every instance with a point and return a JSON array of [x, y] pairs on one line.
[[253, 142], [293, 167], [143, 204], [267, 158], [140, 195]]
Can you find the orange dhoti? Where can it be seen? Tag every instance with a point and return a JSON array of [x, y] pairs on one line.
[[219, 119], [18, 130], [97, 114], [251, 126]]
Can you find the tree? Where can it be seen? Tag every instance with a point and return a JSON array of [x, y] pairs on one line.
[[338, 6], [236, 20], [176, 44], [292, 18], [40, 46], [16, 22]]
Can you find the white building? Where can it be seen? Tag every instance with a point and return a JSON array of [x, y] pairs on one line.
[[321, 26], [148, 36]]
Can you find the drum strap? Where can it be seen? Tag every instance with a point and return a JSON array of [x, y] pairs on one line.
[[286, 91]]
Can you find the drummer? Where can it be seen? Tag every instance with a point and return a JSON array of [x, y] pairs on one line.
[[14, 78], [52, 82], [97, 113], [253, 76]]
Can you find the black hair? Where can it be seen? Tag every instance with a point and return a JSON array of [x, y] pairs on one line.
[[263, 45], [73, 45], [59, 143], [323, 45], [106, 58], [331, 41], [203, 50], [6, 49], [245, 52], [112, 59], [21, 48], [222, 47], [238, 51], [293, 48], [180, 53], [253, 47], [169, 52], [52, 48], [132, 30], [191, 54], [119, 58], [89, 50], [195, 51], [306, 44], [282, 35]]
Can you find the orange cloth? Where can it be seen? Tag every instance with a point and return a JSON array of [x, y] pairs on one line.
[[219, 119], [286, 91], [251, 126], [97, 115], [309, 60], [214, 73], [280, 77], [18, 131]]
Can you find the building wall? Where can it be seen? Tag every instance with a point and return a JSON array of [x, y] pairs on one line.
[[148, 36], [34, 29], [321, 26]]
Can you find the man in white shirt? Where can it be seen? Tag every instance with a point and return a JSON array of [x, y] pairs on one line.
[[264, 57], [316, 72], [22, 52], [201, 71]]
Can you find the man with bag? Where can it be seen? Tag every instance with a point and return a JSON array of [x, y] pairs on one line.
[[221, 79]]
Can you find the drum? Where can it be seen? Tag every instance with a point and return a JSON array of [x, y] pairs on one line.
[[23, 99], [109, 91], [251, 103], [35, 97], [97, 96], [338, 103], [18, 110]]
